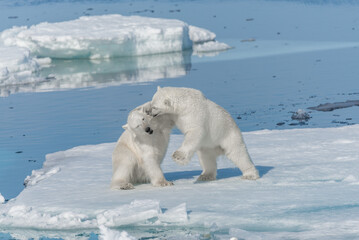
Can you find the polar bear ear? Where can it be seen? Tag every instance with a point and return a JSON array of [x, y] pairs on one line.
[[158, 88], [167, 102], [125, 126]]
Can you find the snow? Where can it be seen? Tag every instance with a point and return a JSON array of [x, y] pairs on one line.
[[2, 199], [39, 175], [108, 234], [16, 63], [200, 35], [300, 115], [308, 190], [212, 46], [106, 36]]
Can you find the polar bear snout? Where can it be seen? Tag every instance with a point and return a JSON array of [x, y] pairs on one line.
[[155, 112], [148, 130]]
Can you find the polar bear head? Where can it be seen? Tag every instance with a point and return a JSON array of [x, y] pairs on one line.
[[138, 123], [161, 103]]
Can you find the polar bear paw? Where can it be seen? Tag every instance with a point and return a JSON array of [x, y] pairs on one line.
[[180, 157], [163, 183], [205, 178], [251, 174], [126, 186]]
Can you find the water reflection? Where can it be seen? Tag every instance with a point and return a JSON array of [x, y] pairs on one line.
[[80, 73]]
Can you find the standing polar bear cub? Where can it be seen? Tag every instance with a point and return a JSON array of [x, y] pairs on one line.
[[140, 150], [208, 130]]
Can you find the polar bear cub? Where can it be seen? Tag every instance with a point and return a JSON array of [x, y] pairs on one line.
[[208, 130], [140, 150]]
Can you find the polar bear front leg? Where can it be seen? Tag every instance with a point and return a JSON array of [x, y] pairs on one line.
[[123, 161], [121, 182], [190, 145], [154, 171]]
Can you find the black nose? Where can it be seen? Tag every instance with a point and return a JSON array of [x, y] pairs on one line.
[[147, 129], [151, 131]]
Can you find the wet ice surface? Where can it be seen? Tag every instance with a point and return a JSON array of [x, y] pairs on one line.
[[280, 63]]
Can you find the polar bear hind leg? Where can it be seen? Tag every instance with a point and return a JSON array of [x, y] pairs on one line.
[[208, 160], [235, 150]]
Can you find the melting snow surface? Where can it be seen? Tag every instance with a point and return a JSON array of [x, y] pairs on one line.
[[308, 190]]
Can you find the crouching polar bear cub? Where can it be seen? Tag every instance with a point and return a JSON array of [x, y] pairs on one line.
[[140, 150], [208, 130]]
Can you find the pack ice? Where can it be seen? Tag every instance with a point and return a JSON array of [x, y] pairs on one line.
[[108, 36]]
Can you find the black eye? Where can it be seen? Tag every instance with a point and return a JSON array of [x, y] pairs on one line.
[[143, 119]]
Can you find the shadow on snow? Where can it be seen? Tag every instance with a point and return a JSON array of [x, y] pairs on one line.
[[221, 173]]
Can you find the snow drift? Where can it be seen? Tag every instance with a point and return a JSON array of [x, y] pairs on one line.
[[308, 190]]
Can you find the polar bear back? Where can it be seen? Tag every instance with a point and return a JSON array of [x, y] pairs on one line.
[[195, 110]]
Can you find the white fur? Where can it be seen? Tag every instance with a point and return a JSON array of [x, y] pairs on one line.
[[209, 130], [138, 155]]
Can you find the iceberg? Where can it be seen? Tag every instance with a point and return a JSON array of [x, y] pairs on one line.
[[320, 200], [106, 36]]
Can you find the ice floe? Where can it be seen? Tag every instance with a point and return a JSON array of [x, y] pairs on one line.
[[106, 36], [149, 49], [108, 234], [304, 191], [16, 64]]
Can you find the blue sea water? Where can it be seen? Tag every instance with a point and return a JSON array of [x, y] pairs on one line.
[[260, 91]]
